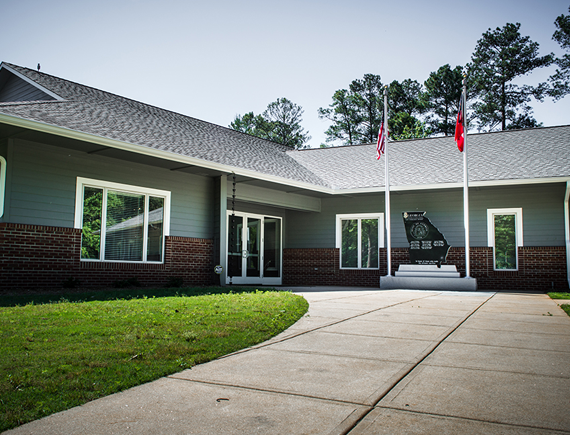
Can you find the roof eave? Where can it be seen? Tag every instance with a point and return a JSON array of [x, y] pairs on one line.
[[228, 169], [152, 152]]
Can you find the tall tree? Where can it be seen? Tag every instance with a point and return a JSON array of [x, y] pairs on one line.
[[369, 99], [286, 117], [404, 107], [280, 122], [356, 113], [405, 126], [405, 97], [441, 98], [345, 118], [256, 125], [501, 56], [560, 80]]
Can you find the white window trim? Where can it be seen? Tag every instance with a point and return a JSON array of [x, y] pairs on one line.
[[80, 189], [517, 212], [338, 243], [2, 184]]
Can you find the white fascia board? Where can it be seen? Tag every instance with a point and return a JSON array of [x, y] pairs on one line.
[[31, 82], [143, 150]]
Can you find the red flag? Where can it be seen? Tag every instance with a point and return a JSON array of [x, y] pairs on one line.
[[459, 127], [381, 144]]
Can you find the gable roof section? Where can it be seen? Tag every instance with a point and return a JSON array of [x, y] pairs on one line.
[[15, 86], [100, 114], [85, 113]]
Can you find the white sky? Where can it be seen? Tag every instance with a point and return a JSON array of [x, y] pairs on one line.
[[216, 59]]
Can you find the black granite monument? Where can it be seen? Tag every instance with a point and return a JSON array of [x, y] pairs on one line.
[[427, 243]]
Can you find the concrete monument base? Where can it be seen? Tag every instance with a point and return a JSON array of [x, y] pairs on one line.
[[428, 277]]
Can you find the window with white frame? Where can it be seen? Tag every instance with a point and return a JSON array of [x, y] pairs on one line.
[[120, 222], [505, 235], [359, 237], [2, 184]]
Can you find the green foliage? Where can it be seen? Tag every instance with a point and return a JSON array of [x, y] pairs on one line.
[[505, 242], [560, 80], [280, 123], [368, 95], [559, 295], [405, 97], [343, 113], [59, 355], [500, 57], [441, 98], [256, 125], [349, 245], [405, 126], [356, 113], [92, 215]]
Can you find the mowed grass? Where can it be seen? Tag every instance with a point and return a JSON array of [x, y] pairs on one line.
[[565, 307], [57, 355]]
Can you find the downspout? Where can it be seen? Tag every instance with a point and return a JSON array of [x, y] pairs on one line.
[[567, 229], [223, 260], [2, 184]]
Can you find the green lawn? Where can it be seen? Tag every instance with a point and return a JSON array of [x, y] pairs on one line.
[[555, 295], [565, 307], [56, 355]]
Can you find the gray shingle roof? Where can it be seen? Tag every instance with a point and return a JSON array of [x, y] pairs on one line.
[[509, 155], [92, 111]]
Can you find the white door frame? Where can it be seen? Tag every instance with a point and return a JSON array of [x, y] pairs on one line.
[[244, 279]]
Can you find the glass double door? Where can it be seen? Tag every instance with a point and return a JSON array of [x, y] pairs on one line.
[[254, 249]]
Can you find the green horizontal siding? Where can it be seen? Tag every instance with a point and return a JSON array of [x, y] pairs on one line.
[[44, 177], [542, 204], [16, 89]]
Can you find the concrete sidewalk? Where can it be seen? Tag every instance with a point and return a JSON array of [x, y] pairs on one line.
[[365, 362]]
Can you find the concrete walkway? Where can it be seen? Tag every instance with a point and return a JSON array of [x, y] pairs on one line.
[[365, 362]]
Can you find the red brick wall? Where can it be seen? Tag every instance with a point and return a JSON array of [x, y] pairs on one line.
[[34, 256], [43, 257], [540, 268], [321, 267]]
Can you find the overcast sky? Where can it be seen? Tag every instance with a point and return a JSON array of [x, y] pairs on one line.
[[216, 59]]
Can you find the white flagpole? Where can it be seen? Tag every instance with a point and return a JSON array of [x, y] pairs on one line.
[[465, 182], [387, 189]]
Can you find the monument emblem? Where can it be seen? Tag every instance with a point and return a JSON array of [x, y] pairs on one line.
[[427, 243]]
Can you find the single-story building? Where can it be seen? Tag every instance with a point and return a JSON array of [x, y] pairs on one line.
[[99, 188]]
